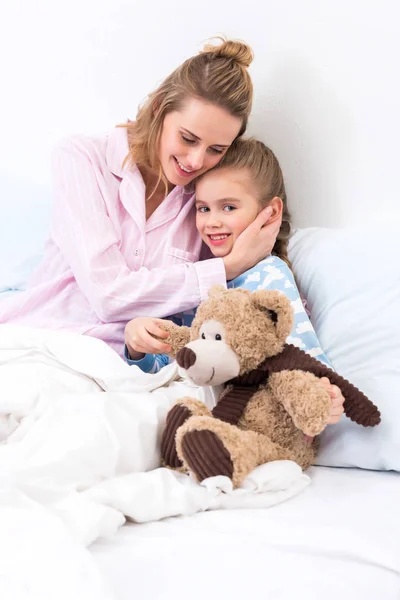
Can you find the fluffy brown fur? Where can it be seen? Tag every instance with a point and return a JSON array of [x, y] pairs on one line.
[[179, 337], [261, 417]]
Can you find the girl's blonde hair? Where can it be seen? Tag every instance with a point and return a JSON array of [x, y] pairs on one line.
[[266, 174], [218, 74]]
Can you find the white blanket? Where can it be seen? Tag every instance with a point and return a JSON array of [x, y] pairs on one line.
[[80, 432]]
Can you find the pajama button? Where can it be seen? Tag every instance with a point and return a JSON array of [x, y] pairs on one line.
[[137, 252]]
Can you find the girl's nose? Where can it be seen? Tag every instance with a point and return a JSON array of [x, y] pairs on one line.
[[214, 222]]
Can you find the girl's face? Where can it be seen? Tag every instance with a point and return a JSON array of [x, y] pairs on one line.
[[194, 139], [226, 204]]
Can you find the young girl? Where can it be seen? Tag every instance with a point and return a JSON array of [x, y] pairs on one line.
[[123, 239], [228, 200]]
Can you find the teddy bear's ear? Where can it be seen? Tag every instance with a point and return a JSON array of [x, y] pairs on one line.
[[216, 290], [277, 307]]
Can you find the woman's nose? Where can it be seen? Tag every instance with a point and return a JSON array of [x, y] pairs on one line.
[[196, 159]]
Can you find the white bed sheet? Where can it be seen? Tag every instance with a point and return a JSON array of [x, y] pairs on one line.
[[339, 539]]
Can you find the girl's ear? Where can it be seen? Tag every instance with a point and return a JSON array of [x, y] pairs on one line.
[[277, 208]]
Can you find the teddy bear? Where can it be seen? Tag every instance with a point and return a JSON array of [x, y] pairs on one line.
[[272, 398]]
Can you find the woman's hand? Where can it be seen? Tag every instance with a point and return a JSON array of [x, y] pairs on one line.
[[138, 338], [253, 245]]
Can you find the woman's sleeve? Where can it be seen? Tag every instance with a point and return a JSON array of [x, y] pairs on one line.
[[88, 241]]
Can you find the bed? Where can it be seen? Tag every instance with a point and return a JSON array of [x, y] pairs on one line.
[[339, 537]]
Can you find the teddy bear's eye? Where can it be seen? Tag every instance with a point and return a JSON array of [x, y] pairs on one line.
[[203, 336], [218, 337]]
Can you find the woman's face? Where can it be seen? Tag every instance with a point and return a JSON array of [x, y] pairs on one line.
[[194, 139], [226, 204]]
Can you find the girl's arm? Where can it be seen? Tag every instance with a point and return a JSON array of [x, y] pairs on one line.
[[150, 363]]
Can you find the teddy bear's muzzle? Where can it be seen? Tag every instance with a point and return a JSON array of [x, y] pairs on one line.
[[208, 362]]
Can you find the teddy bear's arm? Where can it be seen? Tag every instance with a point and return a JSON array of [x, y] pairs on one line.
[[304, 398], [178, 336]]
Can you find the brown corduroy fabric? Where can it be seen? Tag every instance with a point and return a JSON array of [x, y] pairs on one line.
[[232, 404], [206, 455], [175, 418]]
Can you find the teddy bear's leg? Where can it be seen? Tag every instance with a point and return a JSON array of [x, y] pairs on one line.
[[179, 413], [210, 447], [304, 398]]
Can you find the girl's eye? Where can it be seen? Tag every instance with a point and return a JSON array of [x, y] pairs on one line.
[[202, 209], [187, 140], [229, 208], [218, 337]]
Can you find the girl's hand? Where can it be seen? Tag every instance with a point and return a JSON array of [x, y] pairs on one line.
[[139, 341], [337, 401], [253, 245]]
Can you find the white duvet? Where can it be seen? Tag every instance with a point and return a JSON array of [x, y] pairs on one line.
[[79, 452]]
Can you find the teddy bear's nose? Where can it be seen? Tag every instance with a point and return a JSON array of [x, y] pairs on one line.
[[186, 358]]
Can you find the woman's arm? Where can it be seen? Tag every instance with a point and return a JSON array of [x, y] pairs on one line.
[[86, 237]]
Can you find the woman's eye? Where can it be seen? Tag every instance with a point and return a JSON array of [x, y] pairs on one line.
[[203, 336], [216, 151], [187, 140], [218, 337]]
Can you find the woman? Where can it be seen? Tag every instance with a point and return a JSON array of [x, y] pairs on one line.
[[123, 240]]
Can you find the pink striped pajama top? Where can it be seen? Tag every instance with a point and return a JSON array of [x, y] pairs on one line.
[[105, 264]]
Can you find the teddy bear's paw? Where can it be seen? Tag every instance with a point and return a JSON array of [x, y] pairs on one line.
[[304, 398], [316, 415], [178, 336], [314, 426], [177, 416], [206, 455]]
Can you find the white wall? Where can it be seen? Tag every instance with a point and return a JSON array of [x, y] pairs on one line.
[[326, 77]]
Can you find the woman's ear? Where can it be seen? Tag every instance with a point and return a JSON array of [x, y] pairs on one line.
[[276, 205]]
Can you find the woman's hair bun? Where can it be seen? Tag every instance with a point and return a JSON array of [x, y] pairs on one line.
[[231, 49]]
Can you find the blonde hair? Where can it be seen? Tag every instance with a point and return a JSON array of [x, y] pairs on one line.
[[218, 74], [266, 174]]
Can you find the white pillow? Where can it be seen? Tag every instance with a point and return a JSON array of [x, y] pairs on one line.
[[351, 280]]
